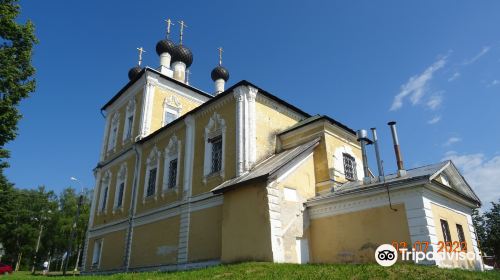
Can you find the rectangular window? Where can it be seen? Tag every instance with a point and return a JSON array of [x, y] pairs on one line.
[[446, 231], [216, 153], [104, 198], [97, 253], [130, 122], [172, 174], [151, 182], [350, 167], [461, 237], [120, 194]]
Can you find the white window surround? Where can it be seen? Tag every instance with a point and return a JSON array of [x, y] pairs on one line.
[[171, 105], [216, 127], [97, 253], [120, 178], [113, 132], [105, 183], [172, 152], [129, 112], [153, 161]]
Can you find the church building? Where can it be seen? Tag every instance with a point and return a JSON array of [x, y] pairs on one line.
[[189, 179]]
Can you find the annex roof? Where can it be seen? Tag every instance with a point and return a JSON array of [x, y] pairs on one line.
[[268, 167]]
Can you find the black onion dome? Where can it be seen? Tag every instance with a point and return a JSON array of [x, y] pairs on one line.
[[182, 54], [134, 72], [220, 72], [165, 46]]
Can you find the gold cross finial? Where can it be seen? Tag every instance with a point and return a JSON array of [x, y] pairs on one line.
[[169, 23], [183, 24], [141, 50], [220, 55]]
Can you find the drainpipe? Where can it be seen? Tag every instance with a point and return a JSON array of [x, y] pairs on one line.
[[128, 245]]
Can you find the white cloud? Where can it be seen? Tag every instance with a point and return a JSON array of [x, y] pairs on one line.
[[483, 51], [452, 140], [416, 86], [435, 101], [434, 120], [493, 83], [453, 77], [482, 173]]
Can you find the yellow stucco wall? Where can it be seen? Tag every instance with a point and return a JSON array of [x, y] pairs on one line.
[[109, 215], [120, 144], [332, 144], [155, 243], [162, 95], [227, 111], [302, 179], [205, 234], [269, 122], [112, 252], [453, 218], [170, 195], [245, 225], [341, 238]]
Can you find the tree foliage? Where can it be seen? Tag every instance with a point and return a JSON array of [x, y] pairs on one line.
[[16, 71], [26, 214], [488, 229]]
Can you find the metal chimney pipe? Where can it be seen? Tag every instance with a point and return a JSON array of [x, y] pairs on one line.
[[363, 140], [377, 154], [399, 158]]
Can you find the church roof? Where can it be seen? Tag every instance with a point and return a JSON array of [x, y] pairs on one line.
[[457, 185], [139, 75], [219, 96], [269, 167], [317, 118]]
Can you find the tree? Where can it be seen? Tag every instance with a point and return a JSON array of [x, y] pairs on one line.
[[479, 224], [492, 218], [16, 71]]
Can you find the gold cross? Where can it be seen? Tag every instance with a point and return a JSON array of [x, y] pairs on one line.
[[141, 50], [220, 55], [169, 23], [183, 24]]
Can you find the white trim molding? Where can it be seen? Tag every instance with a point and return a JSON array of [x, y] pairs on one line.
[[121, 178], [172, 152], [216, 127], [246, 152], [188, 156], [128, 127], [152, 162], [173, 106], [104, 193]]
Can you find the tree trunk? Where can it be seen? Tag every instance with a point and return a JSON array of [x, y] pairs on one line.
[[18, 263], [77, 257]]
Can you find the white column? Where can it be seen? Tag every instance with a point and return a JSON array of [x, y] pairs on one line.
[[179, 71], [219, 86], [147, 108], [239, 95], [252, 149], [188, 156]]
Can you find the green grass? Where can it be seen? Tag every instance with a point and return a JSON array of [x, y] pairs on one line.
[[291, 271]]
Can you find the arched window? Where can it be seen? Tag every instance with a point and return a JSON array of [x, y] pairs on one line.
[[113, 131], [103, 197], [121, 181], [215, 136], [151, 178], [129, 121], [171, 164], [171, 109]]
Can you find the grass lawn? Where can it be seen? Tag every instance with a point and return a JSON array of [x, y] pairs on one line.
[[291, 271]]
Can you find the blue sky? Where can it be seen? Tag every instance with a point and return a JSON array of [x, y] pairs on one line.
[[432, 66]]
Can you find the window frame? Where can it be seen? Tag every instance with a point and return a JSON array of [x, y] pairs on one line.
[[461, 237], [216, 127], [445, 228], [152, 162], [120, 179], [104, 193], [113, 132], [348, 158], [128, 129], [96, 258]]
